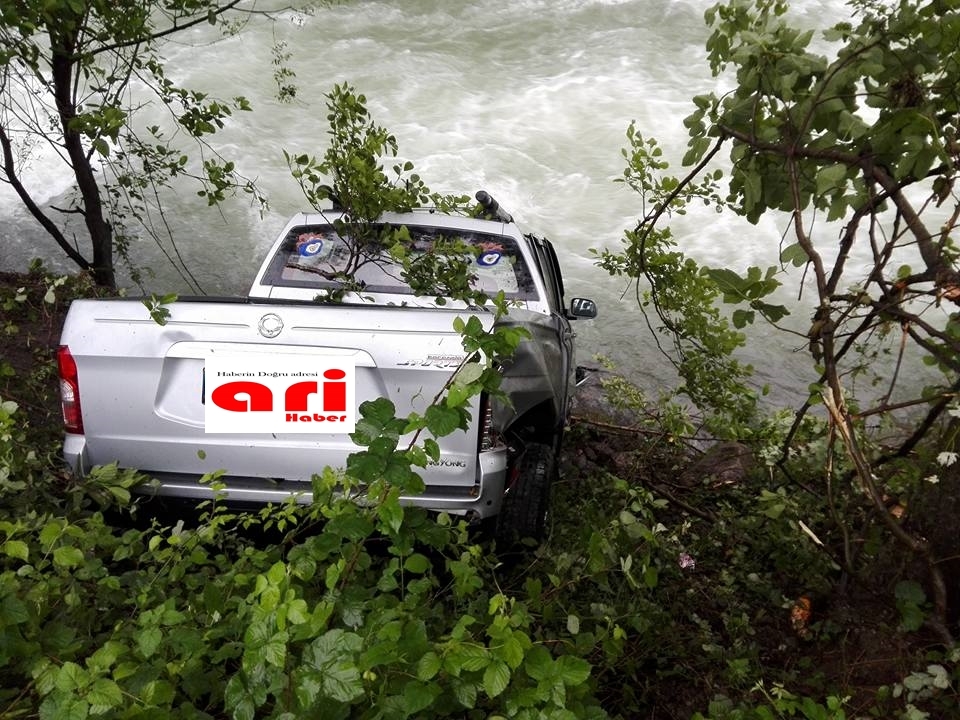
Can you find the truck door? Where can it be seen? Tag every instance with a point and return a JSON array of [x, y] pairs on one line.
[[553, 279]]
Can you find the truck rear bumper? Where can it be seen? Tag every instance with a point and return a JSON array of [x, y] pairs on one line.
[[480, 500], [75, 454]]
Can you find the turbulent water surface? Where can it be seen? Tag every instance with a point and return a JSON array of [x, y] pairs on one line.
[[529, 100]]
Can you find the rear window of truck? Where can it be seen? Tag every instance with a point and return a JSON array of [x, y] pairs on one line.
[[316, 256]]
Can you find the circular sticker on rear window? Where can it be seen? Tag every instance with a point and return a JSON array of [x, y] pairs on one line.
[[489, 259], [311, 248]]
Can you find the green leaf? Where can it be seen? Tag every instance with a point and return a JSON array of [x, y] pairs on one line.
[[539, 663], [16, 549], [307, 689], [469, 373], [730, 283], [71, 677], [468, 657], [773, 313], [58, 706], [277, 573], [105, 656], [910, 591], [342, 682], [457, 395], [830, 178], [417, 456], [512, 650], [104, 695], [442, 420], [432, 448], [391, 514], [275, 651], [465, 692], [911, 617], [742, 318], [496, 678], [573, 670], [794, 254], [14, 611], [297, 611], [428, 666], [417, 696], [366, 467], [51, 531], [417, 563], [148, 640], [237, 699], [379, 411], [365, 432], [67, 557]]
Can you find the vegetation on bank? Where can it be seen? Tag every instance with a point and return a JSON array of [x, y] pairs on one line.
[[665, 588], [822, 582]]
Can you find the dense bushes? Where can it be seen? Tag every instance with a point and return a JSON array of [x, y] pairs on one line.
[[633, 607]]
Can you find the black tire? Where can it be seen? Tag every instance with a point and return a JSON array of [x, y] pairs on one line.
[[524, 511]]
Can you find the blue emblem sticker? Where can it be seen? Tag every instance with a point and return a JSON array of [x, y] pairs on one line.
[[489, 259], [310, 248]]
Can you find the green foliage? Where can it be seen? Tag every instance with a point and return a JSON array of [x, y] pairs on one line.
[[17, 468], [155, 306], [371, 609], [33, 304], [352, 162], [81, 57], [681, 293], [351, 177], [910, 602], [749, 291], [283, 76], [850, 142], [844, 136], [383, 612], [777, 702]]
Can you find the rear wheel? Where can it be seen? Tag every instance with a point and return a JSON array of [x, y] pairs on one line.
[[524, 511]]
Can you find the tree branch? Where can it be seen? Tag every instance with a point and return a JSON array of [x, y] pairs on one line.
[[160, 34], [929, 248], [10, 170], [918, 546]]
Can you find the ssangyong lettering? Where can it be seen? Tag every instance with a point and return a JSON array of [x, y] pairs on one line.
[[447, 463]]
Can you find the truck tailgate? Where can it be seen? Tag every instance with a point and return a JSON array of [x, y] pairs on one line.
[[141, 384]]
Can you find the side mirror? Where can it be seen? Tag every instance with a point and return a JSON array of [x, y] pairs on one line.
[[582, 308]]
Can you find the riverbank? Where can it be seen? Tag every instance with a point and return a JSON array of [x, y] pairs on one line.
[[684, 580]]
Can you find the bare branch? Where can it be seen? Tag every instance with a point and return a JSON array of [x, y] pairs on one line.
[[160, 34], [10, 170]]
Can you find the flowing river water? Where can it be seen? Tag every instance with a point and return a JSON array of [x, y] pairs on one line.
[[529, 100]]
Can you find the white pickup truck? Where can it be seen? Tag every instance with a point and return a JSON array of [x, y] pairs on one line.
[[136, 392]]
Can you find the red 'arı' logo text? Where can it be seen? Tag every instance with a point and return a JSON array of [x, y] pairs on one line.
[[250, 405]]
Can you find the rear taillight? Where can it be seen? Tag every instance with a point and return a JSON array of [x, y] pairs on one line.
[[69, 391], [489, 438]]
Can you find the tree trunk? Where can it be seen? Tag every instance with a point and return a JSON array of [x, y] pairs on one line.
[[64, 64]]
